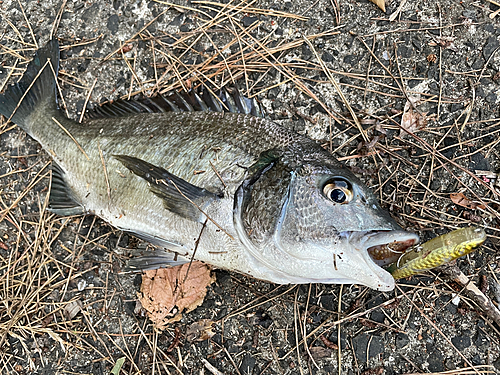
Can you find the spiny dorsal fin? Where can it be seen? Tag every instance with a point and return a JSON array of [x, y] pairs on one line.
[[179, 196], [227, 101], [62, 200]]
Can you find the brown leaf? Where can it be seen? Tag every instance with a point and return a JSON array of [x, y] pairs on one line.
[[200, 330], [462, 200], [164, 289], [318, 352], [412, 120], [73, 308], [127, 47], [374, 371], [328, 343], [379, 3]]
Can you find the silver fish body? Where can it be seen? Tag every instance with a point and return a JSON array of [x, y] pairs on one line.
[[269, 203]]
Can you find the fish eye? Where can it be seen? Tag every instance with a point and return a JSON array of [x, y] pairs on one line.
[[338, 191]]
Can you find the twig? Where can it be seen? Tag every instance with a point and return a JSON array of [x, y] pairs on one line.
[[196, 244], [211, 368], [105, 171], [86, 101], [72, 138], [454, 273]]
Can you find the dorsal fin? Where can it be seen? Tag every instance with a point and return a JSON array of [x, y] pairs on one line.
[[227, 101]]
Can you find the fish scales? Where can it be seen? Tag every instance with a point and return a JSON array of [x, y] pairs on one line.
[[286, 210]]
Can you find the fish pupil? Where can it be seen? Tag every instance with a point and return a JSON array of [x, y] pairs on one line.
[[338, 196]]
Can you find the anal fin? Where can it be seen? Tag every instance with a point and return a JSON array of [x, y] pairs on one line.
[[62, 200], [151, 260], [157, 241]]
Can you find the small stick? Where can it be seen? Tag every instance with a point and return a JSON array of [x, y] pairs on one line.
[[453, 273], [72, 138], [87, 101], [105, 170], [211, 368], [218, 174], [196, 244]]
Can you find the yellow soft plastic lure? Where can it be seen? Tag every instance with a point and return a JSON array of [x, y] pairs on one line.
[[438, 251]]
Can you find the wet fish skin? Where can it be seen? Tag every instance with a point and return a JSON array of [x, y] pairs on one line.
[[262, 207]]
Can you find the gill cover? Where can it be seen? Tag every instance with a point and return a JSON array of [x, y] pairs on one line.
[[298, 234]]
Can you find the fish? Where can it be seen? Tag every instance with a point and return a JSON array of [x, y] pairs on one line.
[[223, 186]]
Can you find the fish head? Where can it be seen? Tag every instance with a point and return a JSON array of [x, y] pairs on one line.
[[317, 222]]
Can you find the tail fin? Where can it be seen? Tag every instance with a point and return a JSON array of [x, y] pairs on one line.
[[36, 88]]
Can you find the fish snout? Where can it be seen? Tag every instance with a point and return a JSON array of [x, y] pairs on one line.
[[371, 250]]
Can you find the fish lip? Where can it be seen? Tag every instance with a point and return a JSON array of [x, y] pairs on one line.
[[363, 241]]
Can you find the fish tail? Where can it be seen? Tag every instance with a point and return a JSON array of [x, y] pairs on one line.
[[35, 91]]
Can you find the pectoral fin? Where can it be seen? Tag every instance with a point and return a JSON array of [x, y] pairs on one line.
[[179, 196]]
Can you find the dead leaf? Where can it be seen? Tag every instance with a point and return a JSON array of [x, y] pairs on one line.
[[379, 3], [444, 42], [200, 330], [432, 58], [462, 200], [374, 371], [318, 352], [412, 120], [328, 343], [73, 308], [127, 47], [164, 289]]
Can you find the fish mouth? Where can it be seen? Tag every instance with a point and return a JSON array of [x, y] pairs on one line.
[[374, 249], [385, 247]]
